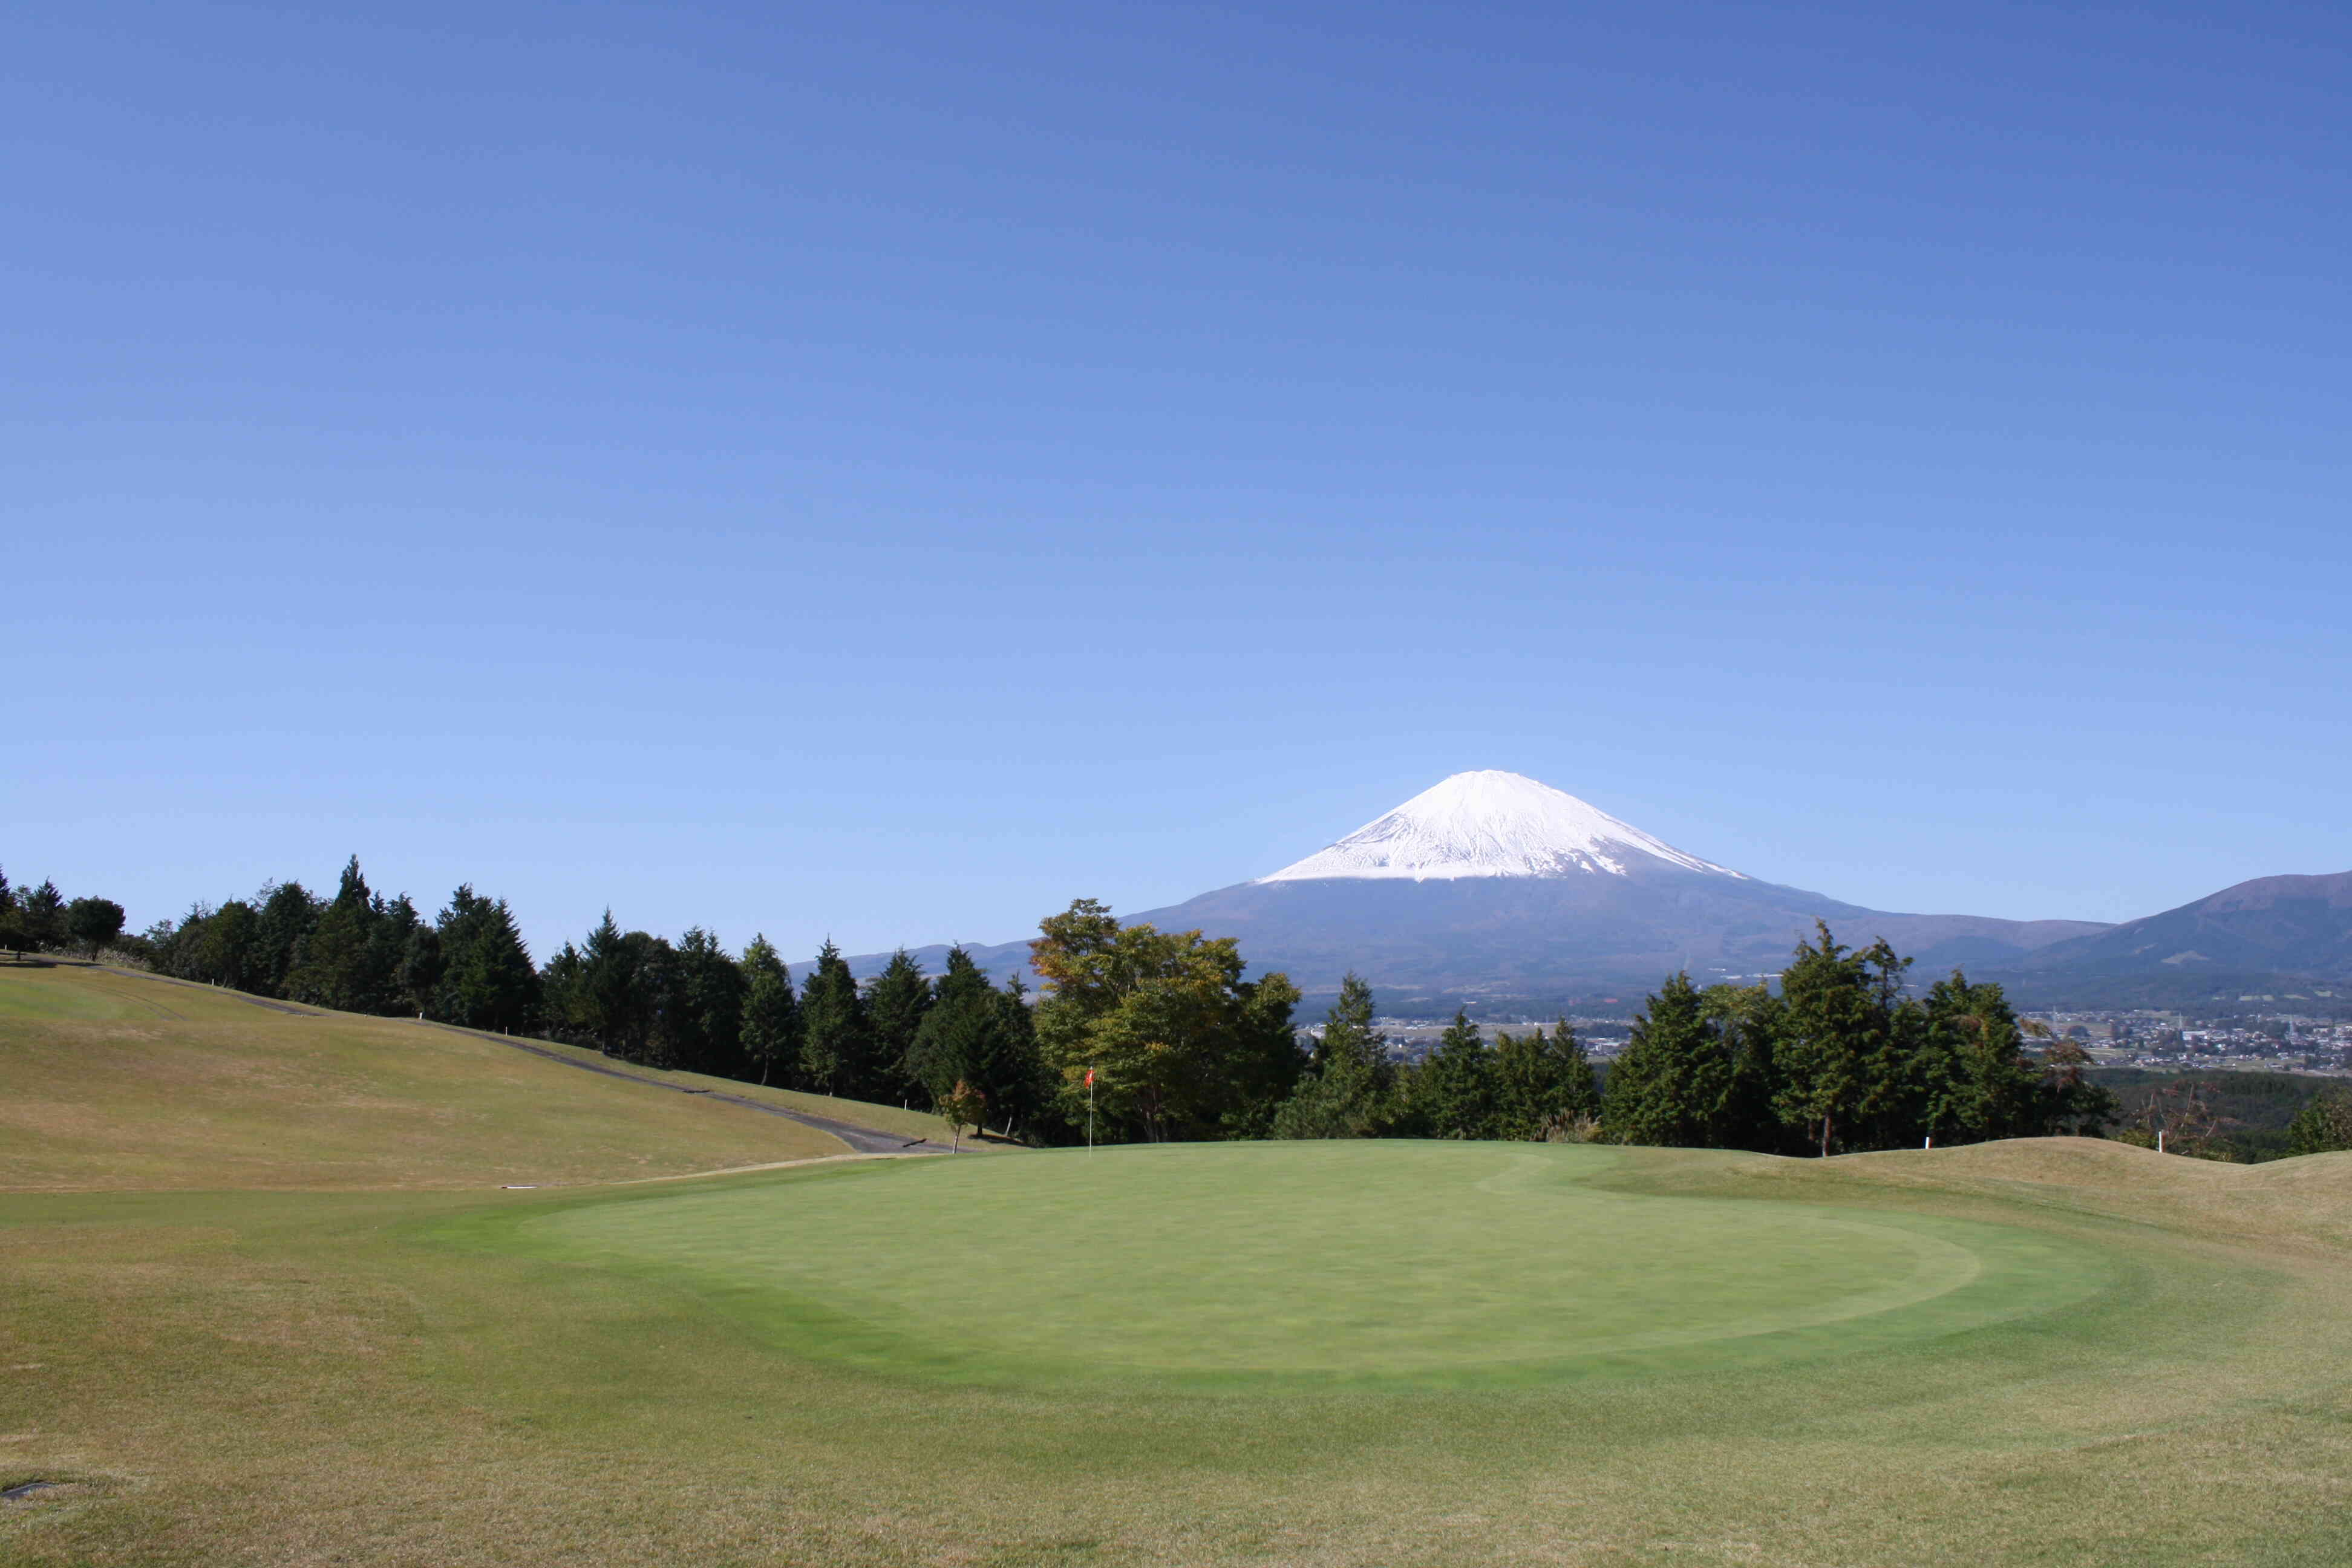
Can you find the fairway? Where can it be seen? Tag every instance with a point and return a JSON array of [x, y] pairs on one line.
[[1333, 1260], [264, 1299]]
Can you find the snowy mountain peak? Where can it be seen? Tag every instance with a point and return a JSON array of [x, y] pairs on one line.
[[1491, 823]]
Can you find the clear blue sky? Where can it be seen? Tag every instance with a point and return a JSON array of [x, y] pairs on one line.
[[887, 470]]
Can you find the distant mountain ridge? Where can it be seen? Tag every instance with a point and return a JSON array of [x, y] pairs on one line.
[[1494, 886], [2289, 925]]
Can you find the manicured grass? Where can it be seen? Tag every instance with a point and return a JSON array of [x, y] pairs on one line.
[[2054, 1351], [1252, 1262]]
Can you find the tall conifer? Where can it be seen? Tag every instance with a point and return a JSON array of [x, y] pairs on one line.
[[895, 1007], [771, 1015], [835, 1044]]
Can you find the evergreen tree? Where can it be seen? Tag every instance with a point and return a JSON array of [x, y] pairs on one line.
[[284, 915], [422, 965], [1673, 1081], [348, 960], [835, 1043], [1978, 1083], [391, 944], [177, 948], [1023, 1093], [771, 1034], [1748, 1021], [41, 915], [1263, 1065], [1543, 1084], [960, 1036], [894, 1008], [563, 986], [707, 1031], [487, 980], [662, 1031], [1453, 1093], [1348, 1089], [603, 994], [1847, 1055]]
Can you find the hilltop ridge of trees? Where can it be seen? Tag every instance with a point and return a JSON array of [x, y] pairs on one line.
[[1145, 1035]]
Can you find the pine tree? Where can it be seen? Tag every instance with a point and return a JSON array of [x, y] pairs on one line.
[[286, 915], [708, 1016], [835, 1043], [346, 962], [894, 1008], [771, 1015], [392, 940], [487, 979], [224, 952], [1543, 1084], [604, 995], [1023, 1093], [1978, 1083], [1673, 1076], [421, 966], [1452, 1094], [960, 1036], [1847, 1056], [41, 914], [1348, 1089]]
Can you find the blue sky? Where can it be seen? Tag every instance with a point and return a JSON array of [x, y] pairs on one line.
[[887, 471]]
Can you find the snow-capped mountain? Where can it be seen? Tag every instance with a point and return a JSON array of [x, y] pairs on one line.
[[1490, 824], [1492, 885]]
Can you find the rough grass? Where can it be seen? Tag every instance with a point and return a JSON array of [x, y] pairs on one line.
[[418, 1377], [121, 1082]]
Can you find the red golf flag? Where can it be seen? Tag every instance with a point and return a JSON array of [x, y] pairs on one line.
[[1090, 1078]]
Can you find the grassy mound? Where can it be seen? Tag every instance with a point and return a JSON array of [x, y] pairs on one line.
[[121, 1082]]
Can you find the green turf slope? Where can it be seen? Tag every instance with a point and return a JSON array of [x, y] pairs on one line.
[[120, 1083], [2054, 1351], [1245, 1263]]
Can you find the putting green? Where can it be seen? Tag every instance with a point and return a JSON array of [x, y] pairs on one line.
[[1218, 1262]]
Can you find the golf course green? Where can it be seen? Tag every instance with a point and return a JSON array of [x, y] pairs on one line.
[[287, 1289], [1251, 1262]]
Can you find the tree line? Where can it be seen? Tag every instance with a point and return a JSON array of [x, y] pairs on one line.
[[43, 920], [1144, 1035], [1838, 1056]]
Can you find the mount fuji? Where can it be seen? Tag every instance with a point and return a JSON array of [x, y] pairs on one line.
[[1492, 888]]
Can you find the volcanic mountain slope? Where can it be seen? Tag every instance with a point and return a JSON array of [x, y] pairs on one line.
[[1492, 885], [2294, 925]]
